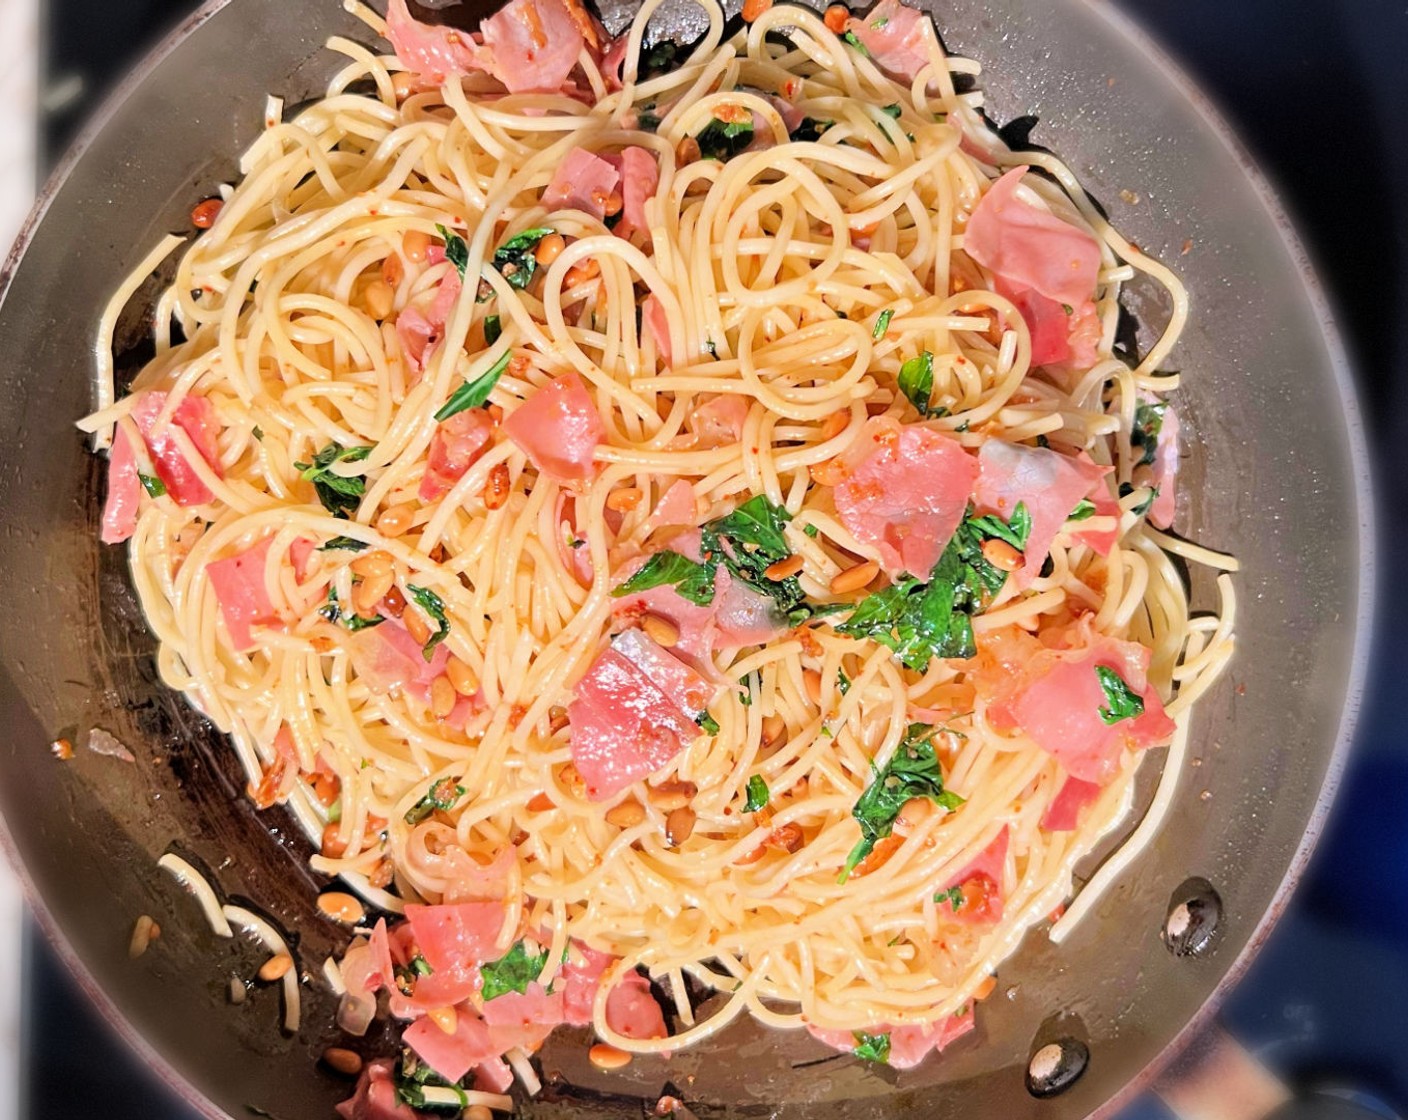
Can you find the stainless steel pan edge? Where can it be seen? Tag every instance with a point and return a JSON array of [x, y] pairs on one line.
[[1098, 1090]]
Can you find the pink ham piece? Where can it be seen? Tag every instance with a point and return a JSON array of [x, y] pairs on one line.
[[981, 884], [195, 416], [124, 492], [1044, 266], [238, 582], [1057, 700], [533, 44], [639, 176], [375, 1098], [493, 1076], [416, 335], [558, 428], [719, 422], [632, 1011], [387, 658], [523, 1019], [894, 37], [652, 314], [910, 1044], [1106, 506], [905, 490], [582, 182], [454, 448], [436, 53], [633, 713], [1048, 483], [452, 1055], [675, 507], [447, 294], [1063, 814], [384, 974], [1165, 472], [453, 936], [300, 552], [581, 975]]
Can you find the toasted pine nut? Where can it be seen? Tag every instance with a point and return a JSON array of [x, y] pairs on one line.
[[333, 846], [61, 749], [611, 205], [687, 151], [1002, 555], [446, 1018], [442, 696], [672, 795], [557, 718], [393, 271], [912, 814], [382, 874], [983, 990], [581, 272], [624, 498], [144, 932], [608, 1057], [370, 592], [275, 967], [788, 837], [371, 563], [678, 826], [378, 298], [835, 18], [661, 630], [415, 245], [786, 567], [477, 1112], [403, 84], [346, 1062], [853, 579], [462, 677], [835, 424], [396, 520], [394, 603], [572, 778], [341, 907], [752, 9], [497, 487], [549, 249], [811, 681], [773, 728], [628, 814], [418, 627]]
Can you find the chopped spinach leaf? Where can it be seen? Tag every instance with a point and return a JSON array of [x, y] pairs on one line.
[[893, 111], [443, 794], [474, 393], [512, 972], [356, 622], [339, 494], [1124, 703], [1148, 424], [811, 531], [953, 896], [722, 140], [647, 121], [881, 23], [434, 606], [1014, 532], [350, 544], [258, 433], [691, 580], [515, 258], [750, 540], [914, 771], [456, 249], [421, 1088], [662, 58], [872, 1047], [850, 38], [843, 682], [493, 328], [758, 795], [882, 324], [1141, 508], [1085, 508], [709, 724], [917, 381], [810, 129], [154, 487]]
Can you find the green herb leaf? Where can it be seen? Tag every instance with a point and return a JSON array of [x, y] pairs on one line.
[[421, 1087], [758, 795], [893, 111], [356, 622], [1014, 532], [420, 966], [953, 896], [474, 393], [515, 258], [1124, 702], [709, 724], [850, 37], [1085, 508], [1140, 508], [662, 58], [722, 140], [350, 544], [810, 129], [512, 972], [647, 121], [335, 812], [154, 487], [843, 682], [750, 540], [434, 606], [872, 1047], [258, 433], [441, 795], [811, 531], [339, 494], [493, 328], [881, 23], [691, 580], [913, 772], [917, 381], [1148, 424], [882, 324], [456, 250]]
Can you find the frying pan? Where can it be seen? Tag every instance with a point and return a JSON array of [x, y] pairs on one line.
[[1276, 472]]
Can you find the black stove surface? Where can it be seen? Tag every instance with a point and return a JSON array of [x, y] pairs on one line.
[[1318, 89]]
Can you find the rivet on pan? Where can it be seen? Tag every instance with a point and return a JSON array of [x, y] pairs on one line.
[[1057, 1066], [1194, 916]]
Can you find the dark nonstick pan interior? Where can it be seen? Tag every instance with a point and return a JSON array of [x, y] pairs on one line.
[[1276, 474]]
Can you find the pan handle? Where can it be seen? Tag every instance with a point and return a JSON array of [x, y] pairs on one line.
[[1217, 1078]]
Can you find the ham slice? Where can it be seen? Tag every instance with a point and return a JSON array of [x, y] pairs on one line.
[[982, 885], [452, 1055], [632, 1011], [719, 422], [238, 582], [523, 1019], [375, 1097], [435, 53], [894, 36], [453, 936], [388, 659], [196, 417], [533, 45], [1063, 814], [633, 713], [416, 335], [558, 428], [1165, 472], [905, 490], [652, 313], [582, 182], [1106, 506], [581, 976], [639, 177], [1048, 483], [910, 1044], [454, 448], [124, 492]]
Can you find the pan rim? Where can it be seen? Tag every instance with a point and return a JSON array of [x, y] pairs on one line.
[[1213, 123]]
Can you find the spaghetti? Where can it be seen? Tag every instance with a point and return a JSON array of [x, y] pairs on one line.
[[783, 282]]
